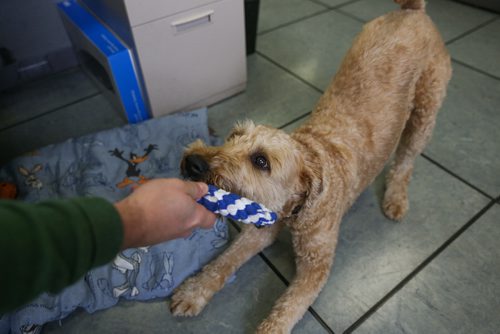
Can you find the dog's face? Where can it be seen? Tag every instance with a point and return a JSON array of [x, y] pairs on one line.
[[258, 162]]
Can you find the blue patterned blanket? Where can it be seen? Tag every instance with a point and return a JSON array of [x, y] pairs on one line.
[[106, 164]]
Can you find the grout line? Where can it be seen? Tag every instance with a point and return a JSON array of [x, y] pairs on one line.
[[318, 2], [273, 268], [456, 176], [418, 269], [323, 11], [49, 111], [326, 9], [468, 32], [482, 25], [354, 17], [475, 69], [289, 72], [23, 83], [473, 5], [336, 6], [295, 120], [285, 281]]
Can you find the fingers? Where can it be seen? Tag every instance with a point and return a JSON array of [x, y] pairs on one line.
[[203, 218], [196, 189]]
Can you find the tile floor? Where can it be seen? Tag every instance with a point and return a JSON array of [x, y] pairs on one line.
[[436, 272]]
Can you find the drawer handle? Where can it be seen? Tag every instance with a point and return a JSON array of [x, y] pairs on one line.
[[193, 21]]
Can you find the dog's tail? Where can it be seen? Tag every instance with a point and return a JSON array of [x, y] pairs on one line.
[[411, 4]]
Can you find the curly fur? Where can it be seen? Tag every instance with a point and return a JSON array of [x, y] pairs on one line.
[[383, 100]]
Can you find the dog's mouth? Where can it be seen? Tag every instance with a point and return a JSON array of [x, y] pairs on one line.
[[194, 167]]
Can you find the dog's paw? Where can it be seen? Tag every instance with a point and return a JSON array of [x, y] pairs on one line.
[[188, 300], [395, 208]]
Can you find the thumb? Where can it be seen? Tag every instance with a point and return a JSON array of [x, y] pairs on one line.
[[196, 189], [208, 218]]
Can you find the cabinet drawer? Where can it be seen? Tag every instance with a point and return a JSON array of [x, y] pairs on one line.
[[143, 11], [191, 56]]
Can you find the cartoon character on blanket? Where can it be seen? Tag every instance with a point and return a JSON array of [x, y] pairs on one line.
[[135, 274], [88, 166]]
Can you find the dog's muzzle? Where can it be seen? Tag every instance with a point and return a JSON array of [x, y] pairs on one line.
[[194, 167]]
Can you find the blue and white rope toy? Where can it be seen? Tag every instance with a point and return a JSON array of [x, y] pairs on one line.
[[237, 208]]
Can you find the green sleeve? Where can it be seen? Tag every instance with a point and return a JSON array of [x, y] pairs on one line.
[[45, 247]]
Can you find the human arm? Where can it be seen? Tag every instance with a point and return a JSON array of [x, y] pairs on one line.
[[49, 245]]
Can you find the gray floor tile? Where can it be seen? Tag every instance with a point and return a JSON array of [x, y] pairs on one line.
[[274, 13], [458, 292], [467, 136], [273, 97], [367, 10], [313, 48], [238, 308], [451, 18], [90, 115], [35, 98], [375, 254], [480, 49], [291, 127], [333, 3]]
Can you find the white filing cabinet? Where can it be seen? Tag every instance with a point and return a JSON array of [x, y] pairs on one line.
[[190, 53]]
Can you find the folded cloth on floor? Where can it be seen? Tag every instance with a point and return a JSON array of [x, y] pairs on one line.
[[100, 165]]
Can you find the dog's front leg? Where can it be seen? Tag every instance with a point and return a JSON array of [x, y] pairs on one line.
[[313, 262], [190, 298]]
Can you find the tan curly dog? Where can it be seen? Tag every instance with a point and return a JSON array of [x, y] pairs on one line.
[[383, 100]]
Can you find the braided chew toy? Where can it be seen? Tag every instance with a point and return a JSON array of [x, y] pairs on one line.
[[237, 208]]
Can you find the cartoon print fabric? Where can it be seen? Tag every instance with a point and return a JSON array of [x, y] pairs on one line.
[[106, 164]]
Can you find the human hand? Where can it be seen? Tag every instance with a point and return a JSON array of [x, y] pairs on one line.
[[161, 210]]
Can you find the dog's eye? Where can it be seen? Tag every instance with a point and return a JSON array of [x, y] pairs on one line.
[[260, 161]]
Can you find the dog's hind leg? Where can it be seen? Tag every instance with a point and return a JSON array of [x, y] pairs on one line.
[[429, 94], [192, 296]]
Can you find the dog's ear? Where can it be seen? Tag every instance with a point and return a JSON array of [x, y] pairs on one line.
[[309, 184], [240, 128], [293, 206]]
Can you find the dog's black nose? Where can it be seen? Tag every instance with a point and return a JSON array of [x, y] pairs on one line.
[[195, 167]]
